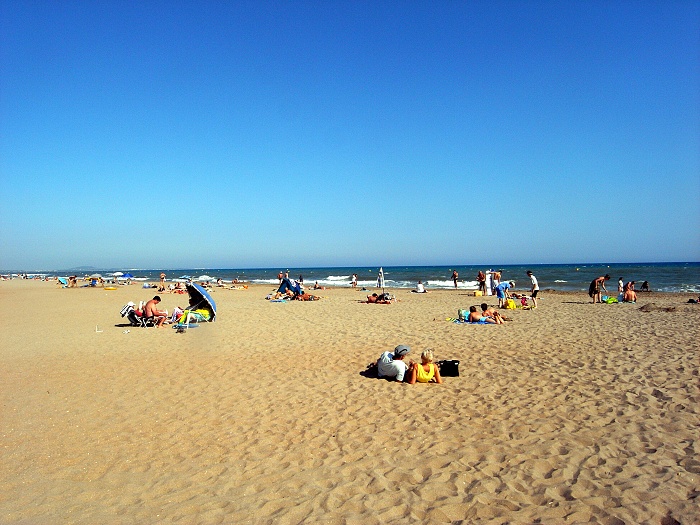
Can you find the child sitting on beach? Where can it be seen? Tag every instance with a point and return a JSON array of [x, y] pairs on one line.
[[425, 372]]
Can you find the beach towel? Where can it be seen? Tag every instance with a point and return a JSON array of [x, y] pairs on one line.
[[464, 321]]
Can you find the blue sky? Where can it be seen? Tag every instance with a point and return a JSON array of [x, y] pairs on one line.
[[247, 134]]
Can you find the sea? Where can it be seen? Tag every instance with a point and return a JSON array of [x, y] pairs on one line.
[[663, 277]]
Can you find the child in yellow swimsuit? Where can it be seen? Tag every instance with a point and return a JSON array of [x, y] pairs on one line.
[[425, 372]]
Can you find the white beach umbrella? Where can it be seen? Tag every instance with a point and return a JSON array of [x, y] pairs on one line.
[[117, 274], [380, 278]]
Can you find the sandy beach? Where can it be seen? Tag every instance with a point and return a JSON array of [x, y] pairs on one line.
[[569, 413]]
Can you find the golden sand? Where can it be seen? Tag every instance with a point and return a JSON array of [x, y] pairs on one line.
[[570, 413]]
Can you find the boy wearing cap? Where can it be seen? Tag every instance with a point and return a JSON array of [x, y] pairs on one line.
[[391, 364]]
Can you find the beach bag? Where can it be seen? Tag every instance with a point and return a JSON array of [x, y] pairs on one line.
[[449, 368], [462, 314], [510, 304]]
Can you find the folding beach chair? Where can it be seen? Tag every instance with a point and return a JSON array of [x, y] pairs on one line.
[[134, 318]]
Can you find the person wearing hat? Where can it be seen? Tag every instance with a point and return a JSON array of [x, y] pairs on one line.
[[502, 292], [391, 364]]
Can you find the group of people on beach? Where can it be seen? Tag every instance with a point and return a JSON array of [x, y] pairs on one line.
[[392, 365], [626, 291]]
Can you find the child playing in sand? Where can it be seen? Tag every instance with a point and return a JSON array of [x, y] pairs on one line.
[[425, 372]]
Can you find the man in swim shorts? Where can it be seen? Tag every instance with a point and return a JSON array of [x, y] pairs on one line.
[[594, 289], [151, 310], [502, 292]]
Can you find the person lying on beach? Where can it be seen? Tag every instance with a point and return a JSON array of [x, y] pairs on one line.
[[306, 297], [420, 288], [494, 314], [425, 372], [151, 310], [476, 317], [283, 295], [377, 299], [392, 365]]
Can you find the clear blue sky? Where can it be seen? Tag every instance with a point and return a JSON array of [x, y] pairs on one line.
[[241, 134]]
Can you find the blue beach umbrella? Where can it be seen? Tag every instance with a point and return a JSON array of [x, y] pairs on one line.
[[200, 298]]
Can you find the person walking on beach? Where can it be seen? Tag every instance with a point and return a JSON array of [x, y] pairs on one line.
[[161, 288], [594, 289], [455, 276], [353, 280], [535, 288]]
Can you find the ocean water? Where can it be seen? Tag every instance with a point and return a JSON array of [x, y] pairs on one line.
[[665, 277]]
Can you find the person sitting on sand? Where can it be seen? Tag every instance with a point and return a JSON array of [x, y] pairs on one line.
[[420, 288], [494, 314], [151, 310], [317, 287], [630, 296], [476, 317], [425, 372], [391, 364], [595, 286]]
